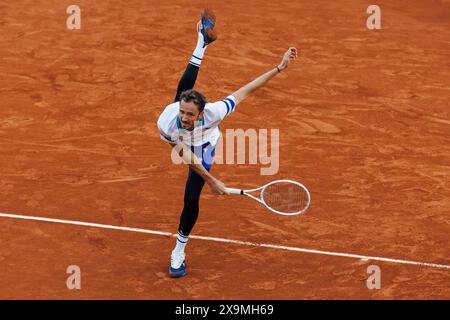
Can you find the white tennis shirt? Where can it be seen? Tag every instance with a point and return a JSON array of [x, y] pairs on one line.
[[207, 130]]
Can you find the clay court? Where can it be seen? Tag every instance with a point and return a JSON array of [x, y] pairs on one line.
[[364, 122]]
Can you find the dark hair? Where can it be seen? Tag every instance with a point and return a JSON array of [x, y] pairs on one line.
[[194, 96]]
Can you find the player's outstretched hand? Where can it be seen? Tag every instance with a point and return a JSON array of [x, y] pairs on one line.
[[289, 55], [218, 187]]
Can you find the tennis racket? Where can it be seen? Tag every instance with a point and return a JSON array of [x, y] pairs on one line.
[[284, 197]]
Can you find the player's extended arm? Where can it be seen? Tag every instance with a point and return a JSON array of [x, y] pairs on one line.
[[194, 163], [249, 88]]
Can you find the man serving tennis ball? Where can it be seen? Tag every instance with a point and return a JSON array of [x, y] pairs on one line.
[[190, 125]]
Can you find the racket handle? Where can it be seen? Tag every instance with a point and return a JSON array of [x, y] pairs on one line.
[[235, 191]]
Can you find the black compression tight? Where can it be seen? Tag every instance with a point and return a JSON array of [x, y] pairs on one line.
[[189, 215], [187, 81]]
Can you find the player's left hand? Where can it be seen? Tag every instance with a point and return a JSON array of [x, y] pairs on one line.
[[290, 54]]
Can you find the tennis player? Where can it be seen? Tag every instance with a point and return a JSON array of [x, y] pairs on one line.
[[190, 125]]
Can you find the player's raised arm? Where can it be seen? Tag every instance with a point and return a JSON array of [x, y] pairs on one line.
[[241, 94]]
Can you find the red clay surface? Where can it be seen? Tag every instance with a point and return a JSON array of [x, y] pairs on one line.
[[364, 123]]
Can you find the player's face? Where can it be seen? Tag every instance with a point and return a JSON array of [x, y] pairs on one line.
[[189, 113]]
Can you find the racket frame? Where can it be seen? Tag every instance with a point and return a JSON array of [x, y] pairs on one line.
[[261, 198]]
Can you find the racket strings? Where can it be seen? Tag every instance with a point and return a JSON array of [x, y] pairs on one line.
[[285, 197]]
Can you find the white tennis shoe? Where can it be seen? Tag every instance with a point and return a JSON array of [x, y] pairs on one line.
[[177, 264]]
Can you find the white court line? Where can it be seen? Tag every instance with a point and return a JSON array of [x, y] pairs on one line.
[[328, 253]]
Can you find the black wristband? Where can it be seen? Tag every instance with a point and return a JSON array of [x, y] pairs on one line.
[[278, 69]]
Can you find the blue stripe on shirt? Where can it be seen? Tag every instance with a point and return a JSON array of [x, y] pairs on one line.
[[228, 107], [232, 103], [167, 139]]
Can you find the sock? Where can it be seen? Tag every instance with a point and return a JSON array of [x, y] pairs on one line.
[[181, 242], [199, 51]]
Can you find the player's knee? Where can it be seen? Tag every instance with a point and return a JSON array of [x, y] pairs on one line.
[[191, 203]]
